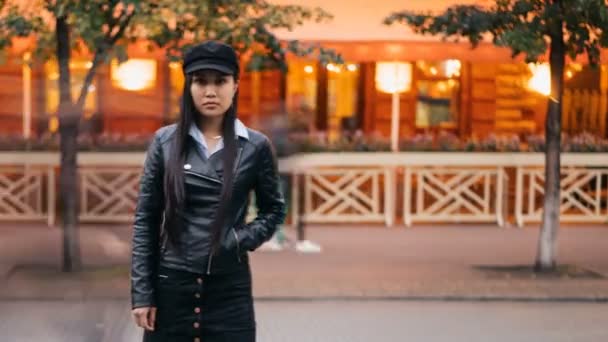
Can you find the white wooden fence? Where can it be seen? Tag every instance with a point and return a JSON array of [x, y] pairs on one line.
[[22, 191], [454, 194], [338, 187], [584, 189]]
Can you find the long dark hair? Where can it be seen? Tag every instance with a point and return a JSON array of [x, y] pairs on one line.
[[174, 174]]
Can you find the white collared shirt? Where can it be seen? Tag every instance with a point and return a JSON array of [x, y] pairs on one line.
[[240, 130]]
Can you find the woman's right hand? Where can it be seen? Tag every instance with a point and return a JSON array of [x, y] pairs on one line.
[[145, 317]]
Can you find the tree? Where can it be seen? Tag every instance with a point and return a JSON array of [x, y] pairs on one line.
[[530, 27], [104, 29]]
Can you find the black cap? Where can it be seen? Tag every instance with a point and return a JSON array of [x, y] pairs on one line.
[[211, 55]]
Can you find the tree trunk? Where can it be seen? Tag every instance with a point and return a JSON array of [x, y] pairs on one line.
[[68, 131], [547, 243]]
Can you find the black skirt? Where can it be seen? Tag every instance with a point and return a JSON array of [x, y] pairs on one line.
[[203, 308]]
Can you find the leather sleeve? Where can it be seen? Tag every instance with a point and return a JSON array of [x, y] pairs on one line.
[[269, 200], [146, 227]]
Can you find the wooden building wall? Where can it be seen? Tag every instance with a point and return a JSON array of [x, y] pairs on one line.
[[496, 100], [127, 112], [11, 100], [493, 100], [377, 107]]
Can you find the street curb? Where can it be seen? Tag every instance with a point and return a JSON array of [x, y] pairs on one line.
[[435, 299], [269, 299]]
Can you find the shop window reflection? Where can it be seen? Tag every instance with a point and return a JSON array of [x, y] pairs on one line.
[[301, 96], [438, 89], [342, 84]]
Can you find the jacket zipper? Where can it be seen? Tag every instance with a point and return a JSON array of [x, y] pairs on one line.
[[209, 263], [203, 177], [163, 236], [238, 247], [215, 181]]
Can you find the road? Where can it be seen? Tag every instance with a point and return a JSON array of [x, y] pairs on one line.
[[379, 321]]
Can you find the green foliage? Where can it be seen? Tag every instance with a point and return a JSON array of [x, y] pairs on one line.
[[525, 26], [246, 25], [105, 27], [15, 23]]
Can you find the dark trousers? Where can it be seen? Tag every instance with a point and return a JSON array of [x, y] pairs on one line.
[[200, 308]]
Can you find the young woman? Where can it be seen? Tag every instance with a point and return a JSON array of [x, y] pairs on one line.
[[190, 276]]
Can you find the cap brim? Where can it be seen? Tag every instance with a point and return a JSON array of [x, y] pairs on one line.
[[209, 66]]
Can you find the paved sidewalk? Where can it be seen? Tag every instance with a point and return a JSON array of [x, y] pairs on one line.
[[356, 263]]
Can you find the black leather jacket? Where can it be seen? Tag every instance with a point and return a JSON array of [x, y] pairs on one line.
[[255, 168]]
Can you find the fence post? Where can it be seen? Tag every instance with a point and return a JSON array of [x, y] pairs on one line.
[[51, 197], [519, 189]]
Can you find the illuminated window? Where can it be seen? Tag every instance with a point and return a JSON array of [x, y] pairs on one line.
[[442, 69], [78, 71], [438, 89], [134, 74], [176, 79], [342, 82], [342, 97], [301, 93]]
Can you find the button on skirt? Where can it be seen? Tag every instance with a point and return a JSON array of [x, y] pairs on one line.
[[203, 308]]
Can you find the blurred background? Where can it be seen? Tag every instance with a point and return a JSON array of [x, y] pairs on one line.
[[413, 166]]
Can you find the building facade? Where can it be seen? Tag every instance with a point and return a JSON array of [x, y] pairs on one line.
[[449, 87]]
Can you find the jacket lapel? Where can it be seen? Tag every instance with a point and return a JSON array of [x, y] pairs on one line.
[[197, 165], [237, 160], [219, 166]]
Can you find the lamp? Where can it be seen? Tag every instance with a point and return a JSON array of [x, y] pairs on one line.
[[541, 78], [394, 78], [134, 74]]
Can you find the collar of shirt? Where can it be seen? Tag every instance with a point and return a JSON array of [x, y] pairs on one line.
[[240, 130]]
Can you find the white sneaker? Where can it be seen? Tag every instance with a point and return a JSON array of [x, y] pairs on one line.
[[307, 246], [271, 246]]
